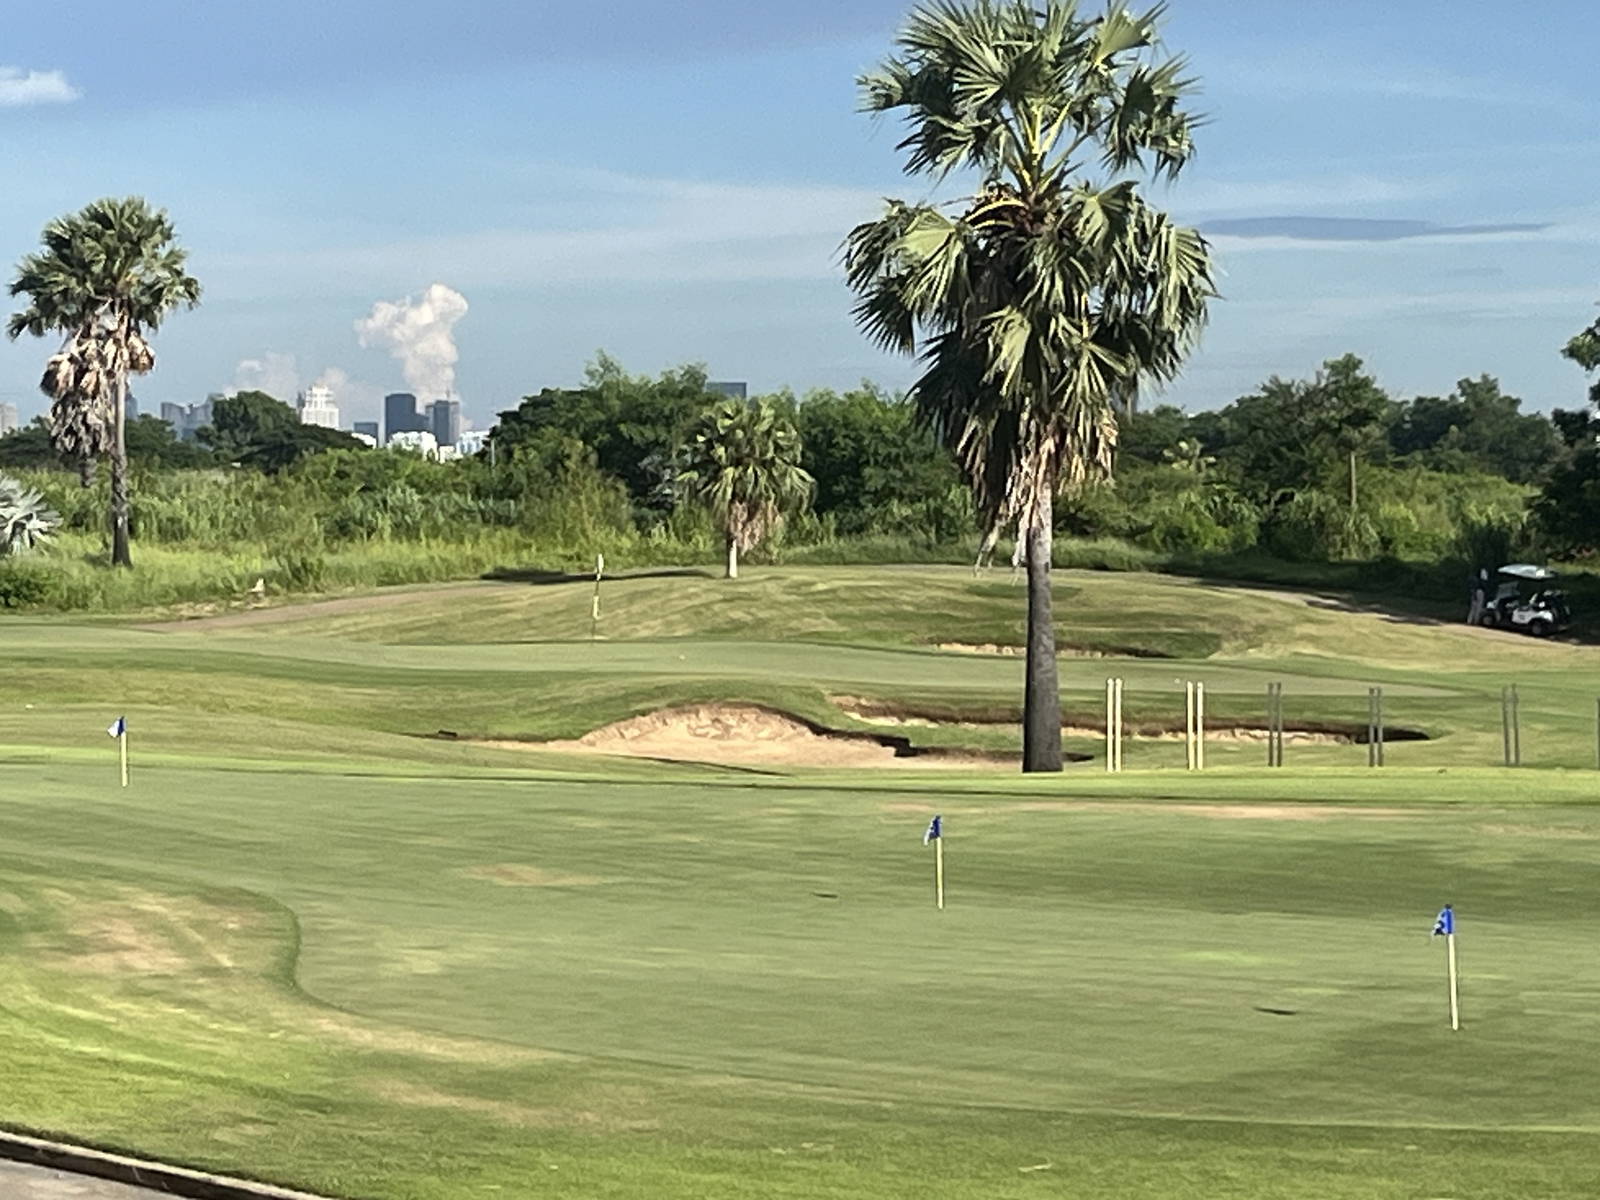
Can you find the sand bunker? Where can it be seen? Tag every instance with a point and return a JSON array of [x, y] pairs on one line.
[[891, 716], [749, 735]]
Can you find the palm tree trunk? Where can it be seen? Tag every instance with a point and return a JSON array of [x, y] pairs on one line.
[[87, 470], [1352, 481], [1041, 708], [733, 557], [120, 554]]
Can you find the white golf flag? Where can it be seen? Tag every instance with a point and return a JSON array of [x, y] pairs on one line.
[[118, 728]]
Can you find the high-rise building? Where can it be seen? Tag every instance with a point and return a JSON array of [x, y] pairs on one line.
[[131, 409], [444, 421], [316, 407], [732, 390], [367, 429], [188, 419], [400, 415], [10, 421]]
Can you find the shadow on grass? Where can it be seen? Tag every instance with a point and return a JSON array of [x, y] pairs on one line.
[[538, 577]]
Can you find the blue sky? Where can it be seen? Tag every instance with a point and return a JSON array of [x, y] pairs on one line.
[[1416, 183]]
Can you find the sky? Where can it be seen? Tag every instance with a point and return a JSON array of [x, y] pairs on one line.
[[1416, 183]]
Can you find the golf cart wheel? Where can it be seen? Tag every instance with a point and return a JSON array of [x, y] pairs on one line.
[[1541, 629], [1489, 621]]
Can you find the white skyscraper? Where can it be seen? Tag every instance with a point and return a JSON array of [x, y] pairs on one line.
[[317, 407], [9, 421]]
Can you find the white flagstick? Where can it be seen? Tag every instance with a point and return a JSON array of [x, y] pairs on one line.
[[122, 744], [1455, 982], [938, 870]]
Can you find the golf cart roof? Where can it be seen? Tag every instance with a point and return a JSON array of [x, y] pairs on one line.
[[1527, 571]]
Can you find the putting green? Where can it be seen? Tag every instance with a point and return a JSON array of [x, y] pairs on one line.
[[309, 946]]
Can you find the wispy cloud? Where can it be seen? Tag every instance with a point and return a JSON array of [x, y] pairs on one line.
[[641, 231], [20, 89], [1354, 229]]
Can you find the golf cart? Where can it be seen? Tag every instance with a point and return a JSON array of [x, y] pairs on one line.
[[1520, 605]]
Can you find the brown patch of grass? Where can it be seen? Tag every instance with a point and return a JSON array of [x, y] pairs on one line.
[[526, 875], [506, 1112]]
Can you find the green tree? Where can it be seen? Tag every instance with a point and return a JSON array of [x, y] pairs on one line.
[[108, 277], [154, 443], [633, 424], [743, 463], [1568, 507], [244, 420], [1041, 303], [1476, 428], [877, 469]]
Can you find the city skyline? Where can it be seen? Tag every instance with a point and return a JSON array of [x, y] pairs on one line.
[[1409, 185]]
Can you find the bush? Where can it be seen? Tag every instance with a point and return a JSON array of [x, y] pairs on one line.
[[26, 583]]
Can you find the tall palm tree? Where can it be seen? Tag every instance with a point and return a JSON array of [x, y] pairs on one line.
[[107, 277], [743, 463], [1042, 303]]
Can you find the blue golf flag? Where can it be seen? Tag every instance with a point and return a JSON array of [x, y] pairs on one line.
[[935, 831], [1445, 925], [118, 728]]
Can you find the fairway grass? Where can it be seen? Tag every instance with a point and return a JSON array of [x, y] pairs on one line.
[[313, 946]]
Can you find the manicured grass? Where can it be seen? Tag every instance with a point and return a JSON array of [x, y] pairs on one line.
[[310, 946]]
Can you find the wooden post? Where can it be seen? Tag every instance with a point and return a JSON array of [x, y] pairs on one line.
[[594, 611], [1505, 722], [1516, 727], [1199, 726], [1111, 745]]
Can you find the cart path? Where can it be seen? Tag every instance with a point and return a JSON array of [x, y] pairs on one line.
[[18, 1182]]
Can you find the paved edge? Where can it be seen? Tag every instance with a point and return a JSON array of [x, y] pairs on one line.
[[157, 1177]]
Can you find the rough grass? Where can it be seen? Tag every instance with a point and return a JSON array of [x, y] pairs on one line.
[[310, 945]]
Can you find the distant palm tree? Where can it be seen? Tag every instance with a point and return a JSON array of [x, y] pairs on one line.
[[107, 277], [743, 463], [1041, 303]]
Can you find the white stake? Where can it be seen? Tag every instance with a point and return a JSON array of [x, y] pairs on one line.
[[1455, 982], [1199, 727], [1117, 699]]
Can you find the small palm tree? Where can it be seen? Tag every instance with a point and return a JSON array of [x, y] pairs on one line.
[[1043, 302], [26, 521], [743, 463], [106, 278]]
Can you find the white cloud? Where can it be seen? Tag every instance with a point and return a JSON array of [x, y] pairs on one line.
[[278, 375], [19, 88]]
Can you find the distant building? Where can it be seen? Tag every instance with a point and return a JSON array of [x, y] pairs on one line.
[[732, 390], [131, 409], [10, 421], [316, 407], [367, 429], [188, 419], [369, 440], [444, 421], [472, 441], [400, 415], [415, 441]]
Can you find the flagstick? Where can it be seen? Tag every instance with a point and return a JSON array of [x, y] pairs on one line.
[[122, 745], [938, 870], [1455, 983]]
